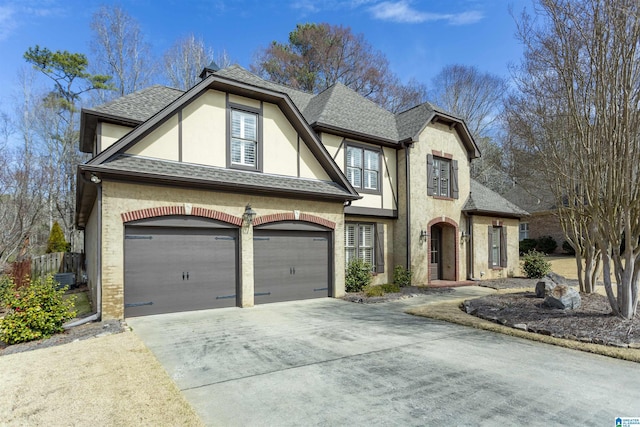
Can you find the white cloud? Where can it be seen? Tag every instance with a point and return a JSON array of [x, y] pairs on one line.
[[402, 12], [7, 21]]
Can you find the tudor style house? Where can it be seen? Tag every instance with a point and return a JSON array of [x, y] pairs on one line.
[[240, 191]]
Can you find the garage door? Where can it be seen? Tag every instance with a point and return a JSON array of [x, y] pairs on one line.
[[291, 265], [170, 269]]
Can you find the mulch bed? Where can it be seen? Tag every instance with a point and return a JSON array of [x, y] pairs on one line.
[[592, 322], [406, 292]]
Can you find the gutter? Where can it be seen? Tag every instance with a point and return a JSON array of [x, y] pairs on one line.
[[98, 314]]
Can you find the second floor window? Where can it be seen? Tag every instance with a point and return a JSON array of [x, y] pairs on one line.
[[363, 168], [244, 138], [442, 177]]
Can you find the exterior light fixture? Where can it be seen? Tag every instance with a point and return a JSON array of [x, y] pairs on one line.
[[423, 235], [95, 179], [248, 215]]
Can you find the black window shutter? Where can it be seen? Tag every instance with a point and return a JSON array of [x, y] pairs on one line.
[[490, 246], [379, 248], [430, 187], [503, 246], [454, 179]]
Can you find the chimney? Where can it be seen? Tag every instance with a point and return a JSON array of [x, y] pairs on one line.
[[208, 70]]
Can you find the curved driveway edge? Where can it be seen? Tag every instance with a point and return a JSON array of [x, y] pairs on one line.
[[330, 362]]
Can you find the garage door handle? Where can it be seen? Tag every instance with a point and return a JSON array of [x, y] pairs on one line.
[[183, 275], [294, 270], [187, 275]]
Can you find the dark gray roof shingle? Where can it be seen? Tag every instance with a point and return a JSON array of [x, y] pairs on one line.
[[223, 177], [482, 199], [141, 105]]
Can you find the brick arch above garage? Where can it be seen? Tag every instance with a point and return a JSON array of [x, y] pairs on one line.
[[180, 210], [290, 216]]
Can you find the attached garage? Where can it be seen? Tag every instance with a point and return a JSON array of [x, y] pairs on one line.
[[292, 261], [179, 263]]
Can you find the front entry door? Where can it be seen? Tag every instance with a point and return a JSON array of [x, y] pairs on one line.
[[435, 260]]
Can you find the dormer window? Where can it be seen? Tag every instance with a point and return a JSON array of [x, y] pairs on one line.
[[363, 168], [244, 138]]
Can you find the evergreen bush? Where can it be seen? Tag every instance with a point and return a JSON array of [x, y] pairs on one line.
[[358, 275], [527, 245], [567, 248], [36, 311], [546, 244], [57, 242], [401, 276], [535, 265]]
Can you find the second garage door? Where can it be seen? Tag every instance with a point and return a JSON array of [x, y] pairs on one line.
[[291, 265], [170, 269]]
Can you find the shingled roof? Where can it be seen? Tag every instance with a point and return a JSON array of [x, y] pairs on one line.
[[140, 105], [482, 200], [338, 109]]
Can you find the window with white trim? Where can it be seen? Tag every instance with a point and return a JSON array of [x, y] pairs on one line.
[[524, 230], [359, 241], [363, 168], [244, 138]]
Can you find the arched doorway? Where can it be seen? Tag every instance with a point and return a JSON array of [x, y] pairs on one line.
[[443, 251]]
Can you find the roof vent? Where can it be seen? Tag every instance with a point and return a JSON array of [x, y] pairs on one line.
[[209, 69]]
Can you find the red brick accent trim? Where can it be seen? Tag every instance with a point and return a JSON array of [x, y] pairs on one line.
[[441, 154], [289, 216], [179, 210], [497, 223], [451, 222]]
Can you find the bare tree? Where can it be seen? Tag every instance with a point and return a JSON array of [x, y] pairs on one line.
[[476, 97], [22, 186], [120, 50], [319, 55], [579, 92], [185, 60]]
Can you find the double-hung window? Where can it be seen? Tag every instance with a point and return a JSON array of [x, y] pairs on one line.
[[244, 139], [524, 230], [363, 168], [360, 242]]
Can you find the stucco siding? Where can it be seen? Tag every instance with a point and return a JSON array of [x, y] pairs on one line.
[[110, 133], [203, 130], [162, 143], [280, 141], [481, 268]]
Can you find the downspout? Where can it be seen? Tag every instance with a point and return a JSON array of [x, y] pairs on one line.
[[98, 314], [408, 198], [470, 263]]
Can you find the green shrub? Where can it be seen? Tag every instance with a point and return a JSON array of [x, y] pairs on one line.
[[358, 275], [567, 248], [57, 242], [401, 276], [535, 265], [546, 244], [527, 245], [373, 291], [390, 288], [5, 286], [36, 311]]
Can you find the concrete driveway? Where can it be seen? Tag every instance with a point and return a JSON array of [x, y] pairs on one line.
[[330, 362]]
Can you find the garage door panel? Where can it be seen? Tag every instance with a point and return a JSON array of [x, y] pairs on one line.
[[290, 265], [170, 269]]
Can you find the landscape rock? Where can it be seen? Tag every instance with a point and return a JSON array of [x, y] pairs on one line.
[[556, 278], [562, 297], [544, 287], [521, 326]]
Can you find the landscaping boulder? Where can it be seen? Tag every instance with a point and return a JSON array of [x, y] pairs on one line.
[[556, 278], [544, 287], [562, 297]]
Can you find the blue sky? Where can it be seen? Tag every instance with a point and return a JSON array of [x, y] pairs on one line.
[[418, 37]]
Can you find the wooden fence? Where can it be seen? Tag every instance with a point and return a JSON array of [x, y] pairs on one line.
[[41, 266]]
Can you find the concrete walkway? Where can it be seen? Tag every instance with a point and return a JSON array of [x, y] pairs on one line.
[[330, 362]]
